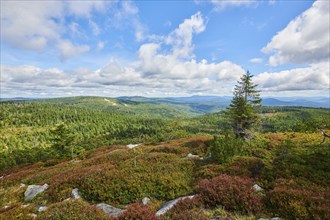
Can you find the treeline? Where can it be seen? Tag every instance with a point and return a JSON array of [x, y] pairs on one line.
[[27, 127]]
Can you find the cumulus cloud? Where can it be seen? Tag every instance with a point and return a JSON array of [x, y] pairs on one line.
[[314, 77], [304, 40], [30, 25], [68, 50], [256, 60], [181, 38], [38, 25], [221, 4]]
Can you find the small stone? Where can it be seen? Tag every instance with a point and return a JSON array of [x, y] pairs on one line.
[[33, 190], [257, 188], [68, 199], [130, 146], [42, 208], [145, 201], [110, 210], [25, 205], [21, 185], [75, 194], [168, 205], [1, 177], [4, 207], [190, 155]]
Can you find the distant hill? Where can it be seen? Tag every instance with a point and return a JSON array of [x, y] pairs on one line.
[[173, 107]]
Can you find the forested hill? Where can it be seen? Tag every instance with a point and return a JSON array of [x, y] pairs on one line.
[[172, 107]]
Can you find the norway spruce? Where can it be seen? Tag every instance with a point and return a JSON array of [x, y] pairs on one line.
[[242, 112]]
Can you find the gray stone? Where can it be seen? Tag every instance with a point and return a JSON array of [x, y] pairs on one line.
[[110, 210], [190, 155], [41, 208], [257, 188], [145, 201], [168, 205], [25, 205], [75, 194], [33, 190]]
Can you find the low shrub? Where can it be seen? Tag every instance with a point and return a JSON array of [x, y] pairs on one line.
[[187, 209], [298, 200], [231, 192], [156, 175], [138, 211], [72, 209], [223, 149], [246, 166]]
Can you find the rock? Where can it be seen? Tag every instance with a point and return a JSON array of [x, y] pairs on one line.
[[1, 177], [192, 156], [4, 208], [21, 185], [276, 218], [257, 188], [68, 199], [130, 146], [145, 201], [75, 194], [33, 190], [41, 208], [168, 205], [25, 205], [109, 210]]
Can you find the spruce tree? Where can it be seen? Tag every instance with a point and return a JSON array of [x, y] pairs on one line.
[[242, 112]]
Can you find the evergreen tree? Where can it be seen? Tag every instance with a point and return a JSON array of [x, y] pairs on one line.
[[62, 139], [242, 112]]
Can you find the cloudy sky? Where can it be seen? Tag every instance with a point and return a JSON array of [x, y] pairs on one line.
[[163, 48]]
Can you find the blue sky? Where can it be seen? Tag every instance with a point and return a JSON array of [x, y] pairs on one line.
[[163, 48]]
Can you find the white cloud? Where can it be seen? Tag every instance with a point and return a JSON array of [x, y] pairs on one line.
[[314, 77], [256, 60], [179, 63], [221, 4], [85, 8], [30, 25], [181, 38], [304, 40], [68, 50]]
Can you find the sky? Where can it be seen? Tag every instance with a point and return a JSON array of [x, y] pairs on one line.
[[163, 48]]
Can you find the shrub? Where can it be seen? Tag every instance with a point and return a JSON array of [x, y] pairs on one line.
[[138, 211], [157, 175], [187, 209], [72, 209], [223, 149], [296, 200], [231, 192], [246, 166]]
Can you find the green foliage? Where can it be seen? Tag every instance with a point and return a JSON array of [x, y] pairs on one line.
[[223, 149], [72, 209], [156, 175], [62, 140], [242, 110]]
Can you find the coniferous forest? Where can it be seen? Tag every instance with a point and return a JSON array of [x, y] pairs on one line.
[[69, 145]]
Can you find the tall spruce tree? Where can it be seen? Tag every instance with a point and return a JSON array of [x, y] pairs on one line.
[[242, 112]]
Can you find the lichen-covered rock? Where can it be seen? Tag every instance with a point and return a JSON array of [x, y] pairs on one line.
[[33, 190], [167, 206], [257, 188], [110, 210], [75, 194], [145, 201], [41, 208]]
